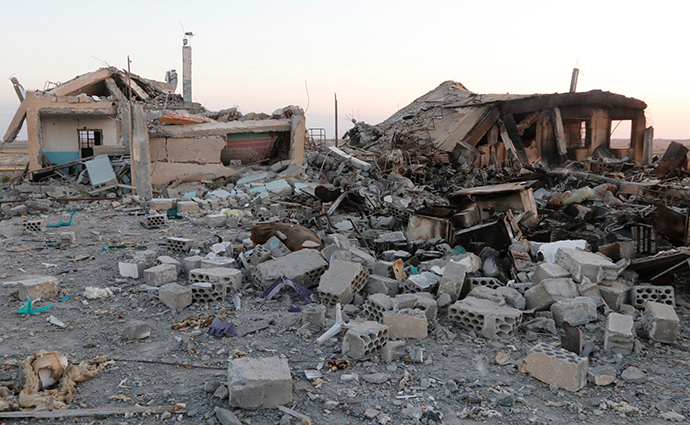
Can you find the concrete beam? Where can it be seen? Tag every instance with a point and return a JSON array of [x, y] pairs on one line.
[[223, 128], [141, 162], [298, 136], [73, 86], [17, 122]]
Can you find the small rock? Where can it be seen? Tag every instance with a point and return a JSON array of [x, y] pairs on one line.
[[137, 330], [371, 413], [602, 375], [376, 378], [505, 400], [285, 420], [672, 416], [226, 417], [452, 386], [330, 405], [412, 412], [211, 386], [221, 392], [425, 383], [633, 375], [444, 300]]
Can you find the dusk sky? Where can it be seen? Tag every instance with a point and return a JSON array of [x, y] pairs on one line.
[[377, 56]]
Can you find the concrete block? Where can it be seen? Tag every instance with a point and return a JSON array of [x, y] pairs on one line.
[[364, 340], [381, 285], [179, 244], [471, 261], [602, 375], [207, 292], [375, 306], [426, 303], [590, 290], [341, 282], [175, 296], [259, 383], [156, 220], [133, 268], [639, 295], [393, 350], [187, 207], [314, 315], [485, 317], [486, 293], [383, 268], [423, 282], [614, 294], [161, 204], [581, 264], [557, 366], [489, 282], [406, 323], [542, 295], [137, 330], [512, 296], [68, 238], [619, 336], [549, 271], [576, 311], [304, 267], [216, 220], [226, 276], [34, 226], [43, 287], [259, 255], [160, 275], [453, 280], [661, 323], [190, 263], [165, 259], [218, 262], [276, 247]]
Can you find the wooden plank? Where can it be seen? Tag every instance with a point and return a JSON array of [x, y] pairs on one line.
[[77, 413], [512, 153], [559, 132], [514, 135]]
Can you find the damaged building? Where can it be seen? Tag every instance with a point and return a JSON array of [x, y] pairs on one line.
[[494, 128], [117, 113]]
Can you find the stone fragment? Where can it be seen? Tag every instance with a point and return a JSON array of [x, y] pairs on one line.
[[453, 280], [364, 340], [314, 315], [304, 267], [615, 294], [393, 350], [226, 417], [602, 375], [595, 267], [166, 259], [512, 296], [381, 285], [661, 323], [576, 311], [187, 206], [633, 375], [133, 268], [190, 263], [542, 295], [43, 287], [216, 220], [549, 271], [556, 366], [406, 323], [160, 275], [68, 238], [259, 382], [137, 330], [159, 204], [619, 336], [175, 296]]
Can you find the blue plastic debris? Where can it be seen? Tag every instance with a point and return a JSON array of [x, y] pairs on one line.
[[221, 328], [27, 308], [282, 282], [64, 223]]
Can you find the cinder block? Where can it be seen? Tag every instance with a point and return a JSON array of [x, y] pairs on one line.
[[393, 350], [549, 271], [406, 323], [426, 303], [375, 305], [206, 292], [218, 262], [640, 294], [576, 311], [341, 282], [423, 282], [381, 285], [165, 259], [161, 204], [133, 268], [276, 247], [581, 264], [137, 330], [486, 293], [259, 383], [216, 220], [661, 323], [314, 315], [156, 220], [557, 366], [175, 296], [68, 238], [259, 255], [229, 277], [383, 268], [191, 263], [614, 294], [179, 244], [619, 336], [43, 287], [489, 282], [33, 226], [364, 340], [548, 291], [485, 318], [160, 275], [453, 280], [304, 267], [187, 206]]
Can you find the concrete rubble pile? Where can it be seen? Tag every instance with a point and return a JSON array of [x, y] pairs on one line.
[[378, 250]]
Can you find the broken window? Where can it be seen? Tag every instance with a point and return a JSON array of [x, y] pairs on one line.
[[577, 133], [87, 140], [621, 131]]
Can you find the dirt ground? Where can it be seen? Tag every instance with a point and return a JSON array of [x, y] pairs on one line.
[[459, 377]]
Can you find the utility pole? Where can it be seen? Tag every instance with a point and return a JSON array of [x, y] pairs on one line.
[[335, 96], [573, 80]]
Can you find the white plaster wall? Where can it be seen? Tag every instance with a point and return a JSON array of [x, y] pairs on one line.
[[60, 132]]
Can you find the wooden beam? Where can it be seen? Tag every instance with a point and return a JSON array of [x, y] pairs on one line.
[[598, 98], [514, 134], [510, 148], [559, 132]]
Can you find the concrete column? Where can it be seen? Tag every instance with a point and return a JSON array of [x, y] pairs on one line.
[[298, 135], [141, 162], [648, 146], [187, 73]]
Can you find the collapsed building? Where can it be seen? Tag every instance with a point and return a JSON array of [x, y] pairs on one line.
[[117, 113]]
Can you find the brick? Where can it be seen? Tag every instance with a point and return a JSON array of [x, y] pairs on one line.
[[193, 262], [341, 282], [364, 340], [216, 220], [304, 267], [161, 204], [485, 318], [548, 291], [179, 244], [43, 287], [165, 259], [133, 268], [661, 323], [175, 296], [187, 206], [557, 366], [639, 295], [156, 220], [381, 285], [68, 238], [160, 275], [595, 267], [576, 311], [229, 277], [549, 271], [259, 383], [614, 294], [423, 282], [619, 336], [406, 323]]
